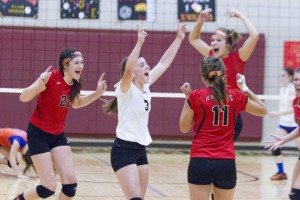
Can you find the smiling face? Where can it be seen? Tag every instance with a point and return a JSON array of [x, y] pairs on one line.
[[141, 71], [73, 68], [219, 45]]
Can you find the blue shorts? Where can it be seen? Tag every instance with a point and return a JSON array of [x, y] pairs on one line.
[[288, 129], [124, 153]]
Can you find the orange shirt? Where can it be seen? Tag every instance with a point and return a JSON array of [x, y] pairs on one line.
[[7, 135]]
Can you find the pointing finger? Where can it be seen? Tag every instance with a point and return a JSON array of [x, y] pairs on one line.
[[48, 69], [101, 77]]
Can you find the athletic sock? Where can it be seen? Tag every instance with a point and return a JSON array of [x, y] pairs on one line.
[[280, 168]]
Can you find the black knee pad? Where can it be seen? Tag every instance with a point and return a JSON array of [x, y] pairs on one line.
[[43, 192], [276, 152], [136, 198], [295, 194], [69, 189]]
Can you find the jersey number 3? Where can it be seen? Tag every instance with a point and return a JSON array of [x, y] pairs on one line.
[[147, 105], [217, 112]]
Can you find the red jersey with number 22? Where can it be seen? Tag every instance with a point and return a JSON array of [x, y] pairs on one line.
[[53, 105], [214, 126]]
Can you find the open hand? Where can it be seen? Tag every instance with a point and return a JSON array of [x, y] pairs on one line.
[[205, 15], [275, 143], [181, 30]]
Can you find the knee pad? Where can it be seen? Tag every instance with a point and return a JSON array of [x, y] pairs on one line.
[[43, 192], [136, 198], [295, 194], [276, 152], [69, 189]]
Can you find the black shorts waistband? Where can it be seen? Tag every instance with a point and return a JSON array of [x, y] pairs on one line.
[[128, 144]]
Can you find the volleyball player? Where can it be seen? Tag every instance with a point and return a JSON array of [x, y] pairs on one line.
[[12, 141], [57, 91], [286, 119], [280, 140], [223, 43], [212, 112], [133, 104]]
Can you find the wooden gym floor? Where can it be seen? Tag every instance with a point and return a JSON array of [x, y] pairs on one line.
[[167, 179]]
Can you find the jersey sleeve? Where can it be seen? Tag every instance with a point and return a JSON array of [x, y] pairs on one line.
[[52, 78], [20, 140], [119, 93], [242, 100], [192, 100]]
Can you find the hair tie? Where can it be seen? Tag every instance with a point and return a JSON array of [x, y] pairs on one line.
[[213, 73]]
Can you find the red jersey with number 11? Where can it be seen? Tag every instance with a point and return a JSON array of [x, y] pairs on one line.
[[53, 105], [213, 125]]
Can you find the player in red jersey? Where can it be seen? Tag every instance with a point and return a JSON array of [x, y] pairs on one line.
[[212, 112], [12, 141], [57, 91], [280, 140], [223, 43]]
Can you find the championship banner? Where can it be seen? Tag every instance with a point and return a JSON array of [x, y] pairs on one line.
[[79, 9], [188, 10], [19, 8], [137, 10], [292, 54]]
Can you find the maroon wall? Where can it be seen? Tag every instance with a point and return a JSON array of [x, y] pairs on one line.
[[26, 52]]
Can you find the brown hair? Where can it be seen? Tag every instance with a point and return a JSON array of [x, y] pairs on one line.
[[70, 54], [232, 37], [213, 70], [28, 161], [111, 106]]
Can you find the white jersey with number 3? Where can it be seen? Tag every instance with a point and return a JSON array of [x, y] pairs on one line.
[[133, 114]]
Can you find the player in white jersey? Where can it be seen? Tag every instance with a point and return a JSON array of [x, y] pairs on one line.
[[133, 104], [286, 118]]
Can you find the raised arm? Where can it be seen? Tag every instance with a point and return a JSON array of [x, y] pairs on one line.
[[195, 35], [187, 114], [169, 55], [254, 105], [246, 50], [132, 60], [82, 101], [37, 87]]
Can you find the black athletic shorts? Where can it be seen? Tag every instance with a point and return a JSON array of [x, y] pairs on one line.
[[124, 153], [40, 141], [219, 172]]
